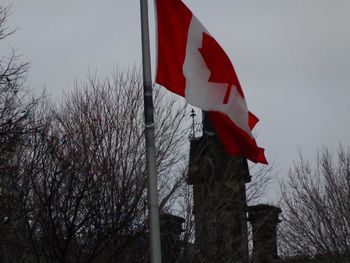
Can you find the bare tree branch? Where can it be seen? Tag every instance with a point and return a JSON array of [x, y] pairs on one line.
[[316, 207]]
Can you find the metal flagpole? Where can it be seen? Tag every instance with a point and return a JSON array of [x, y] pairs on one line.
[[153, 210]]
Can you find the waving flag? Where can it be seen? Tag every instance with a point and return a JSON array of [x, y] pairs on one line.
[[192, 64]]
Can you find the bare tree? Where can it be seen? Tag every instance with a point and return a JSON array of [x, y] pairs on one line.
[[16, 125], [316, 207], [85, 177], [13, 110], [261, 178]]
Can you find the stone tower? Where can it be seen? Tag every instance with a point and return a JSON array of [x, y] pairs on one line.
[[220, 204], [264, 220]]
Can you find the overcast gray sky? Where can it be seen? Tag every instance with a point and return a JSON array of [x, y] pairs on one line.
[[292, 58]]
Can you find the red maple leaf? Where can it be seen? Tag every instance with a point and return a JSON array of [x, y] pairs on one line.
[[219, 64]]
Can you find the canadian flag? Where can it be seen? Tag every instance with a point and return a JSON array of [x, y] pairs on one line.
[[193, 65]]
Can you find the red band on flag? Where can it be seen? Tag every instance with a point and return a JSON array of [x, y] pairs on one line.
[[229, 133], [174, 19]]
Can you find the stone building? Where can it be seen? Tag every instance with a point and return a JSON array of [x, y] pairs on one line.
[[220, 206], [171, 229], [264, 220], [219, 200]]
